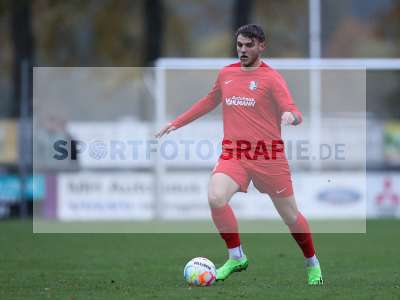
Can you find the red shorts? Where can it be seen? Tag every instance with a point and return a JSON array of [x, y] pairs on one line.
[[271, 178]]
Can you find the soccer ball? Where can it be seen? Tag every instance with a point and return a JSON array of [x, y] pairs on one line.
[[199, 271]]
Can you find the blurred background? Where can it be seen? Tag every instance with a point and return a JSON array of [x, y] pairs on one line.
[[100, 57]]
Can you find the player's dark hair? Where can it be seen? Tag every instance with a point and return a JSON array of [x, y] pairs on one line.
[[251, 31]]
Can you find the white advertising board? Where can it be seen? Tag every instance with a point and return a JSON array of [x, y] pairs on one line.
[[104, 196], [129, 196]]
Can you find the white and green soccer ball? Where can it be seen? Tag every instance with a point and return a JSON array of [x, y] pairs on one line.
[[199, 271]]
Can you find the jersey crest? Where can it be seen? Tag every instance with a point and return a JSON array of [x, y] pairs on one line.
[[253, 85]]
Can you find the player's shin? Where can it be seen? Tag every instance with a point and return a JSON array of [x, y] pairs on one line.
[[226, 223], [300, 231]]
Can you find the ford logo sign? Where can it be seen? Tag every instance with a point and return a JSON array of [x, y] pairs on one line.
[[339, 196]]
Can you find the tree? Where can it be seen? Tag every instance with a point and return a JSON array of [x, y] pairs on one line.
[[241, 15], [21, 28], [153, 30]]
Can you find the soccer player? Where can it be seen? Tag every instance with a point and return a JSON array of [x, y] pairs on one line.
[[256, 102]]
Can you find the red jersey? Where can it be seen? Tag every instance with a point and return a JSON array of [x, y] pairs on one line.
[[253, 103]]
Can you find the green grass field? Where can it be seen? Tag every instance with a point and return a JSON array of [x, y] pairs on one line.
[[137, 266]]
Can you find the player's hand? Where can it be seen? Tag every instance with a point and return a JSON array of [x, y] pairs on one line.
[[288, 118], [167, 129]]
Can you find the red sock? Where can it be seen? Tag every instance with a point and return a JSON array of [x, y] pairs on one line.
[[225, 221], [301, 233]]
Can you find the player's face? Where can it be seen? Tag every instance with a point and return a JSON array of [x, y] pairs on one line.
[[249, 50]]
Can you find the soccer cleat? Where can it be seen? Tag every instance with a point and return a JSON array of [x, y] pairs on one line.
[[231, 266], [314, 275]]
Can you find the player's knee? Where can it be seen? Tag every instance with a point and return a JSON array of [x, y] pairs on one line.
[[288, 215], [216, 198], [289, 219], [287, 209]]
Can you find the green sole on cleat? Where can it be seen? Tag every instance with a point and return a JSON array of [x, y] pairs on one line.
[[318, 282]]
